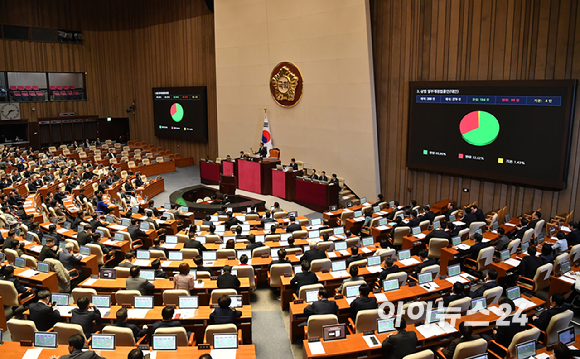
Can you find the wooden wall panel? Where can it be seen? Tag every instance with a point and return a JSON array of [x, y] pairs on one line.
[[129, 47], [456, 40]]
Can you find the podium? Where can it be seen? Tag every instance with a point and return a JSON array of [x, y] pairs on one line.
[[228, 184], [209, 172], [316, 195], [284, 183], [254, 176]]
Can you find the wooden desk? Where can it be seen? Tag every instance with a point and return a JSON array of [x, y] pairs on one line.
[[284, 183], [316, 196], [209, 172], [255, 176], [48, 280], [441, 206], [14, 350], [451, 256]]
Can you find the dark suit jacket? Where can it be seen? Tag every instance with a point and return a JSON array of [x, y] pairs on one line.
[[529, 265], [479, 215], [79, 354], [194, 244], [293, 227], [427, 263], [232, 222], [473, 251], [573, 238], [47, 252], [545, 317], [265, 221], [358, 257], [468, 219], [279, 261], [520, 233], [135, 232], [413, 222], [44, 316], [362, 303], [96, 223], [324, 306], [85, 319], [323, 178], [224, 316], [294, 166], [428, 216], [479, 292], [502, 243], [313, 254], [387, 271], [262, 152], [166, 324], [399, 345], [506, 333], [68, 260], [228, 280], [252, 246], [437, 233], [450, 350], [137, 333], [452, 298], [140, 284], [304, 278]]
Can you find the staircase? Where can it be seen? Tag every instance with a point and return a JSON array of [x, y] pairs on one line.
[[346, 195]]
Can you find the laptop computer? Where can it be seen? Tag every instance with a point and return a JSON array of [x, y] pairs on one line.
[[453, 270], [391, 204], [101, 301], [314, 234], [66, 225], [390, 285], [334, 332], [505, 255], [62, 246], [100, 232], [143, 302], [352, 291], [507, 218], [103, 342], [495, 225], [170, 239], [373, 261], [404, 254], [164, 342], [434, 316], [338, 231], [358, 214], [119, 237], [478, 304], [383, 221], [386, 325], [526, 349], [316, 222], [183, 209], [540, 239], [148, 274], [85, 251], [167, 205], [19, 262], [368, 241], [340, 246], [220, 228], [338, 266], [30, 237], [108, 273], [311, 296], [192, 271], [189, 302], [436, 224], [175, 256], [513, 293], [376, 209], [236, 301], [45, 340], [225, 341], [416, 230], [297, 269], [480, 231], [285, 236], [144, 226], [201, 239], [125, 222], [143, 254], [274, 253], [525, 247], [567, 336], [565, 267], [363, 200], [42, 267], [61, 299], [109, 219], [247, 252], [209, 257], [425, 277]]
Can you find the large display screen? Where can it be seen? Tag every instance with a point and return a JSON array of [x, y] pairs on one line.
[[180, 112], [510, 131]]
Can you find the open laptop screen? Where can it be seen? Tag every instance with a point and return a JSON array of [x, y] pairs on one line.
[[225, 341], [45, 340], [164, 342], [334, 332], [103, 341]]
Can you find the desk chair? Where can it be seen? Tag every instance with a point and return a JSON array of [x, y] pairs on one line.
[[125, 296], [351, 284], [424, 225], [21, 329], [435, 246], [468, 349], [10, 296], [11, 255], [182, 339], [315, 323], [433, 269], [500, 352], [218, 293], [123, 272], [386, 252], [210, 330], [319, 265], [276, 272], [212, 238], [181, 238], [464, 234], [294, 251], [279, 215], [66, 330], [247, 272], [539, 281], [361, 263], [527, 235], [260, 251], [401, 276], [414, 307], [346, 214], [31, 262], [79, 292], [484, 259], [493, 295], [557, 323], [514, 245], [352, 241], [463, 304], [123, 336], [272, 237], [156, 253], [252, 217], [538, 228], [425, 354], [305, 288], [189, 253], [204, 274], [74, 242], [98, 252], [299, 234], [575, 254], [225, 253], [365, 320], [473, 227], [400, 232], [171, 296], [326, 245], [557, 262]]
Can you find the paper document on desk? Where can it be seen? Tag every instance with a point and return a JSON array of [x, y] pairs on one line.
[[166, 264], [384, 227], [409, 261], [447, 328], [137, 313], [375, 269], [350, 300], [28, 273], [485, 240], [90, 281], [32, 353], [339, 274], [509, 224], [463, 246], [542, 356], [456, 278], [61, 230], [430, 287], [568, 280], [159, 221], [185, 313], [513, 262], [524, 303], [430, 330], [381, 297], [284, 244], [65, 309], [168, 245], [35, 249], [344, 252], [117, 227], [141, 262], [459, 223], [199, 285], [359, 219], [363, 249], [110, 242], [328, 213], [332, 255], [223, 353], [316, 348], [565, 228], [369, 341], [420, 236], [496, 310]]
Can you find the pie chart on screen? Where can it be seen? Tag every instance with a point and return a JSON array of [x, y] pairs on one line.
[[479, 128], [176, 112]]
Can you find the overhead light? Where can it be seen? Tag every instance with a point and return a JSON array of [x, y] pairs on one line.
[[109, 119]]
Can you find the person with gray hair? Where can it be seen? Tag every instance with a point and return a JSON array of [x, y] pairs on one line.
[[68, 258]]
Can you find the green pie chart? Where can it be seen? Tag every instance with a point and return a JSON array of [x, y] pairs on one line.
[[479, 128], [176, 112]]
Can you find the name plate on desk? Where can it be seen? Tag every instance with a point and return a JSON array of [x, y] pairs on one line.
[[313, 340], [203, 347], [265, 255], [298, 301], [287, 275], [338, 296]]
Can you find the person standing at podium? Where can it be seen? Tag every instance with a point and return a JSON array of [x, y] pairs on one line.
[[262, 152]]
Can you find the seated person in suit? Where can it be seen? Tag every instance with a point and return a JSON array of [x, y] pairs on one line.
[[521, 229], [84, 236], [7, 273], [542, 321], [561, 351], [67, 258], [293, 226], [159, 273], [304, 278], [227, 279], [86, 315], [466, 336], [267, 219], [353, 271], [458, 293], [253, 243], [527, 267], [323, 177], [223, 314], [128, 259], [281, 258], [398, 223], [389, 267], [561, 244], [503, 241], [193, 243], [314, 252], [231, 221], [573, 238], [239, 236], [76, 343], [425, 262], [333, 179], [441, 232], [363, 302], [414, 221], [356, 256], [136, 283], [49, 250], [322, 305], [207, 221], [244, 262], [473, 251], [399, 345], [42, 313], [122, 323], [490, 282], [293, 164], [276, 208], [199, 265], [313, 175], [429, 215], [291, 242], [468, 217], [504, 334], [547, 254], [478, 213], [167, 314]]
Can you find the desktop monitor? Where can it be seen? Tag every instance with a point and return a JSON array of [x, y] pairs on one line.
[[453, 270], [166, 217], [225, 341], [526, 349], [383, 221], [60, 299], [143, 302], [30, 237], [513, 293], [456, 241], [567, 336], [103, 342], [220, 228], [416, 230], [340, 246], [285, 236], [108, 273], [391, 204], [434, 316], [134, 209], [148, 274], [19, 262], [167, 205], [214, 218], [311, 296], [101, 301], [201, 239], [540, 239], [209, 255], [125, 222], [143, 254], [478, 304], [190, 302], [352, 291], [385, 325], [164, 342], [314, 234], [260, 237], [338, 231], [109, 219], [236, 301], [45, 340], [390, 285], [175, 256], [334, 332], [339, 265], [241, 252], [43, 267], [62, 246], [404, 254], [171, 239], [373, 261], [505, 255], [368, 241], [425, 277], [85, 251], [316, 222]]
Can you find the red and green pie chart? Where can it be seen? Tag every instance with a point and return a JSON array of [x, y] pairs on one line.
[[176, 112], [479, 128]]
